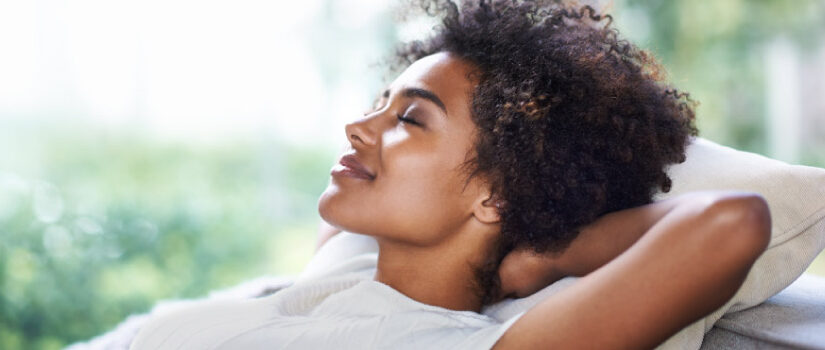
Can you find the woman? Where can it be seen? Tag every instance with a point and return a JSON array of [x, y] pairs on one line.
[[523, 144]]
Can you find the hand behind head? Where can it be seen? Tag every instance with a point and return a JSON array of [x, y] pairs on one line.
[[524, 272]]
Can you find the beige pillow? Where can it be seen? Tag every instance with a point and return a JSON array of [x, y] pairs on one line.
[[796, 197]]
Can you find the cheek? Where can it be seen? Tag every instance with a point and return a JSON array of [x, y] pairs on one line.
[[423, 197], [425, 175], [395, 137], [424, 185]]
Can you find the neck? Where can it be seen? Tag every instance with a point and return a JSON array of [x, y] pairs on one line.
[[442, 275]]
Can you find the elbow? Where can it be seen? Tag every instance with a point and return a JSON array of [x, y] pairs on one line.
[[742, 223]]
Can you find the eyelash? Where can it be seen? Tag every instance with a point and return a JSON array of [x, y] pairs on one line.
[[404, 119], [400, 117]]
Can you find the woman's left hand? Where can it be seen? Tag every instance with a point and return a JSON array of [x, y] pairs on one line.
[[524, 272]]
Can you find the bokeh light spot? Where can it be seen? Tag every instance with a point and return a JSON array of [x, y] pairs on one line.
[[48, 204], [58, 241]]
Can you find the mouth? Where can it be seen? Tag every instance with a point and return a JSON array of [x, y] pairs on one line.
[[349, 166]]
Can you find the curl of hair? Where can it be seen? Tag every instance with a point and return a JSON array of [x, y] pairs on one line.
[[573, 121]]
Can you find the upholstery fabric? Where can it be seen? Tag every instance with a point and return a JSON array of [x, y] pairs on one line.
[[794, 318], [796, 198]]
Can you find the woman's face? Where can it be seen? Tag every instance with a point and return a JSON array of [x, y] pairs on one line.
[[401, 177]]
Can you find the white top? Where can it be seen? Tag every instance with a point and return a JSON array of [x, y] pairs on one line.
[[342, 308]]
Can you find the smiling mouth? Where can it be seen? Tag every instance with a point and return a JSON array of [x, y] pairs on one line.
[[349, 166]]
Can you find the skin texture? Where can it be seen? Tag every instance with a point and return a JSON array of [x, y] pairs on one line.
[[419, 205]]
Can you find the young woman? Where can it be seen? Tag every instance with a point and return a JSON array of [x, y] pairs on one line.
[[522, 144]]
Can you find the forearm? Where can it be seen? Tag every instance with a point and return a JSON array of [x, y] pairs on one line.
[[606, 238], [688, 264], [524, 272]]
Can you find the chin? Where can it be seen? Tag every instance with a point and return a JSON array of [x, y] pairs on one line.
[[340, 212], [332, 210], [324, 206]]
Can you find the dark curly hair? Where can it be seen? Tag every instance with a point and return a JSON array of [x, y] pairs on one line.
[[573, 121]]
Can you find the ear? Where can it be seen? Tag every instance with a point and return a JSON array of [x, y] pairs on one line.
[[486, 208]]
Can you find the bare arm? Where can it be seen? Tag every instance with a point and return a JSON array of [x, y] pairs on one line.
[[691, 259], [525, 272]]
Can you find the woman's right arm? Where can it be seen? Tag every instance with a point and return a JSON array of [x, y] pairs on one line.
[[690, 259]]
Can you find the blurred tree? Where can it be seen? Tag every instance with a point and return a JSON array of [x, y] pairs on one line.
[[714, 50], [120, 221]]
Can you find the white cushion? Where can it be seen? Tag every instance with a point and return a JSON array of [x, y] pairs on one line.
[[794, 318], [796, 198]]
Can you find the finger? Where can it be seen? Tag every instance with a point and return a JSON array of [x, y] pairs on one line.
[[523, 272]]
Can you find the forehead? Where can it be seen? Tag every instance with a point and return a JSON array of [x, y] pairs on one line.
[[444, 74]]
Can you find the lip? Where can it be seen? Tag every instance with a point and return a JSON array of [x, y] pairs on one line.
[[349, 166]]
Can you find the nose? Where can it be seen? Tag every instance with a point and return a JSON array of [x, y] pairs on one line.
[[361, 132]]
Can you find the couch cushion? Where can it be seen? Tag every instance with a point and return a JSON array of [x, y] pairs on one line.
[[796, 198], [794, 318]]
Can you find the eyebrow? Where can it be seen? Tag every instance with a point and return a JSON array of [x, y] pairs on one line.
[[420, 93]]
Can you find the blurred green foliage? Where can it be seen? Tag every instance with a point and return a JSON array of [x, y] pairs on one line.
[[103, 224], [97, 224], [714, 49]]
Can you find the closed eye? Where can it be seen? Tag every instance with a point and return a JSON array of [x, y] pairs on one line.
[[407, 120]]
